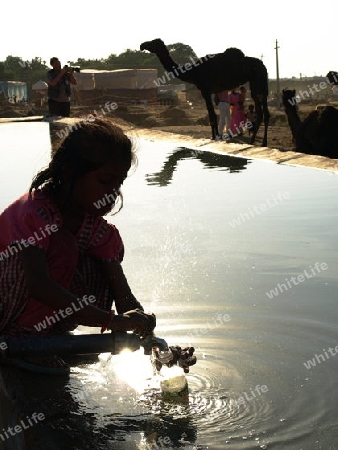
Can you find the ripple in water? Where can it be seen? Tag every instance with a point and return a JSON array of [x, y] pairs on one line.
[[213, 411], [218, 413]]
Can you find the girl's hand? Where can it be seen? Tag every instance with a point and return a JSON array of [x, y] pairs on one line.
[[144, 323], [133, 320]]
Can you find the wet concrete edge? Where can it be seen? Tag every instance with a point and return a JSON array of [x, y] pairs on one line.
[[245, 150]]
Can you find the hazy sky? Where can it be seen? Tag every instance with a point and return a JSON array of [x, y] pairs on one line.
[[95, 29]]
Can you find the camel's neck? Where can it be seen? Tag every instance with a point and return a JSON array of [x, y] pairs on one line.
[[166, 60], [293, 118]]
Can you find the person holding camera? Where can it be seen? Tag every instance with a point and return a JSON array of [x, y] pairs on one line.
[[59, 90]]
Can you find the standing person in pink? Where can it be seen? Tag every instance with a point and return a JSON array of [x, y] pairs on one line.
[[60, 260], [222, 101], [238, 119]]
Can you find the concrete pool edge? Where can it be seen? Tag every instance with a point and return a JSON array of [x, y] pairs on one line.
[[245, 150]]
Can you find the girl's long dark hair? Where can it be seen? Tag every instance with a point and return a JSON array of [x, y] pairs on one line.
[[87, 147]]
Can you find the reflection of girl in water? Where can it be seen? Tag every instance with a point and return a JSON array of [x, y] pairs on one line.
[[238, 118]]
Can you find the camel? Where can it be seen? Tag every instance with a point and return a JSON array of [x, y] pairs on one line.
[[215, 73], [318, 133]]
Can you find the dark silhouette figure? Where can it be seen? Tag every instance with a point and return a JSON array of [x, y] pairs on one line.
[[215, 73], [210, 160], [332, 76], [318, 133]]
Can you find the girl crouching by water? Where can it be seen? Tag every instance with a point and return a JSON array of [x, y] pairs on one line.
[[60, 261]]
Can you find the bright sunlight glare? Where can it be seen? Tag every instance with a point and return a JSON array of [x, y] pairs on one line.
[[134, 368]]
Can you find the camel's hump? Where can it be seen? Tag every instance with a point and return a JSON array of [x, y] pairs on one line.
[[234, 53]]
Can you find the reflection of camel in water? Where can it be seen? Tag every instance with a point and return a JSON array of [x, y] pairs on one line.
[[215, 73], [209, 159], [318, 133]]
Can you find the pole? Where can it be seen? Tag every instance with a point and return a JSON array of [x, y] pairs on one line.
[[68, 344], [277, 77], [83, 344]]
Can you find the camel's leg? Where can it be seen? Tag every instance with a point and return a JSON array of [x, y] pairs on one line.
[[212, 114], [266, 118], [262, 111], [258, 109]]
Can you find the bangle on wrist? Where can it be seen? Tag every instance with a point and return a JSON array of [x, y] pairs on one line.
[[107, 322]]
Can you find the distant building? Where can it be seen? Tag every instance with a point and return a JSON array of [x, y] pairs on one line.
[[14, 91], [122, 86]]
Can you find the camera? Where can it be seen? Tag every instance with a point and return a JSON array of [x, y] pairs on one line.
[[75, 69]]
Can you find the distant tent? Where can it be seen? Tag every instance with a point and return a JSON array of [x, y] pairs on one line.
[[14, 90], [40, 86]]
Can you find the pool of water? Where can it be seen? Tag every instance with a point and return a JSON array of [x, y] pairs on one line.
[[237, 257]]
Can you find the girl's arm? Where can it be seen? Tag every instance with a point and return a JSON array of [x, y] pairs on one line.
[[123, 297], [48, 292]]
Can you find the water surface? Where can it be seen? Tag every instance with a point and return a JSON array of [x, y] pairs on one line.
[[236, 257]]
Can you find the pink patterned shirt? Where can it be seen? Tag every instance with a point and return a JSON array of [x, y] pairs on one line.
[[35, 220]]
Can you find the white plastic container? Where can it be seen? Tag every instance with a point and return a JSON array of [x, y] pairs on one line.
[[174, 384]]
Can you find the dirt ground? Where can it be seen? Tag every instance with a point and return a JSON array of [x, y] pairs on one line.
[[184, 119], [188, 124], [188, 119], [192, 120]]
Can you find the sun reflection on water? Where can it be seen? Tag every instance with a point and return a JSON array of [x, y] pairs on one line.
[[135, 369]]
